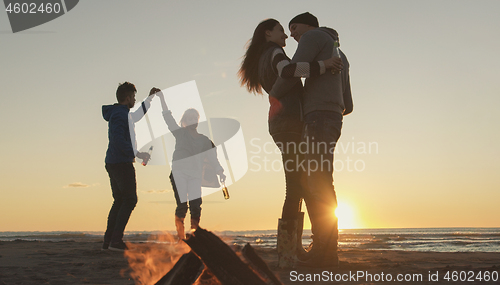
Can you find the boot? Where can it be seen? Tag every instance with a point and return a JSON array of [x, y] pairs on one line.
[[195, 223], [324, 252], [323, 255], [179, 225], [287, 243]]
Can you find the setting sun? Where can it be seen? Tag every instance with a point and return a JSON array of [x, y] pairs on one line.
[[346, 216]]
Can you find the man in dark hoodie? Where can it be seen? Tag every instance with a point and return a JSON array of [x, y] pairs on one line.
[[120, 155], [327, 98]]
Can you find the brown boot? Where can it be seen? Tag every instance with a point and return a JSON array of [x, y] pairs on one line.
[[323, 255], [324, 252], [195, 223], [179, 225]]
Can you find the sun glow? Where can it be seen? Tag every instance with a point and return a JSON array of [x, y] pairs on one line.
[[346, 216]]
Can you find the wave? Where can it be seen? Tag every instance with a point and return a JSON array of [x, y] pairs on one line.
[[437, 239]]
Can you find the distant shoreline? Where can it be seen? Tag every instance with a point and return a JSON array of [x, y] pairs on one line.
[[413, 239]]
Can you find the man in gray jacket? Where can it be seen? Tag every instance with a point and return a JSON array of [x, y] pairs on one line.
[[327, 98]]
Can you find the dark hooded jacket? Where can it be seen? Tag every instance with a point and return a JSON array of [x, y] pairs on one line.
[[120, 148]]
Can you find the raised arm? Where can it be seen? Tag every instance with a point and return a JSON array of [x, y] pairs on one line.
[[167, 114], [164, 106], [140, 112]]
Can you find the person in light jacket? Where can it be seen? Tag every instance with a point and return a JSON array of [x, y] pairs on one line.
[[193, 154]]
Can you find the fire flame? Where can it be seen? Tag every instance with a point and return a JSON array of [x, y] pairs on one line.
[[150, 261]]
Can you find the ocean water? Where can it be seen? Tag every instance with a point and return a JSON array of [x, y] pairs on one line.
[[423, 239]]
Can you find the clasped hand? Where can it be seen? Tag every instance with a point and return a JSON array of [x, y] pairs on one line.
[[155, 90]]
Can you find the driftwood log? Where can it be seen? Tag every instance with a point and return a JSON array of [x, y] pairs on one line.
[[222, 261], [185, 271], [259, 265], [218, 264]]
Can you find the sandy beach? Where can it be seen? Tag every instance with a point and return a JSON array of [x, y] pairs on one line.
[[36, 262]]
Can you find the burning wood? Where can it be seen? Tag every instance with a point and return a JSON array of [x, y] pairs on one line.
[[210, 262], [207, 278], [184, 272], [259, 265], [223, 262]]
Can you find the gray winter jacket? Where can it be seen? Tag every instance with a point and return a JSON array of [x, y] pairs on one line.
[[328, 92]]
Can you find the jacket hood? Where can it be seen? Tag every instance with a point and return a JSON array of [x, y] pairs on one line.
[[108, 110], [331, 32]]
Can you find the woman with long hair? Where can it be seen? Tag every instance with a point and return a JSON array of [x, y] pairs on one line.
[[266, 66]]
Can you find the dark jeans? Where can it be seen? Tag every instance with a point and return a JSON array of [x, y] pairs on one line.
[[321, 132], [182, 208], [123, 185], [294, 168]]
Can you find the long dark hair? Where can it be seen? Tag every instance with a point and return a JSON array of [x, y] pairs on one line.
[[249, 70]]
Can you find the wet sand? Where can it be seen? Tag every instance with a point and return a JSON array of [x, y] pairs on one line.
[[36, 262]]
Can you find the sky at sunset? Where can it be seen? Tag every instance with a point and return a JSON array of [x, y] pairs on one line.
[[419, 150]]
